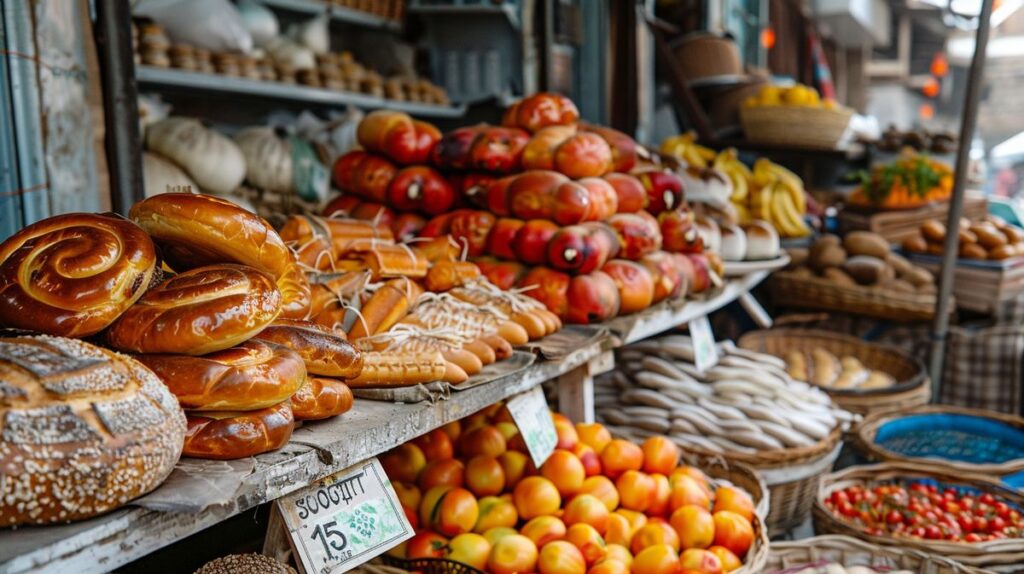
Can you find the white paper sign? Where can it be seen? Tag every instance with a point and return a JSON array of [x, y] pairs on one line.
[[530, 412], [345, 519], [705, 354]]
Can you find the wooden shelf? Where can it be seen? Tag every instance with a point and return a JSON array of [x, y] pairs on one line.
[[338, 13], [150, 77], [317, 450]]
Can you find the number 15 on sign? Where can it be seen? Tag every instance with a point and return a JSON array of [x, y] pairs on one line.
[[345, 519]]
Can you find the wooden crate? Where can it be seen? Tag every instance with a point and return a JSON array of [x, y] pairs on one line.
[[897, 225], [980, 286]]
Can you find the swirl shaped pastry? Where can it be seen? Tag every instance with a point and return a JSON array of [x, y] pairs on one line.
[[321, 398], [72, 275], [199, 311], [84, 430], [253, 375], [324, 352], [230, 435], [194, 230]]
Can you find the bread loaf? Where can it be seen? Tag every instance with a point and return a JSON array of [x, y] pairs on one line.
[[323, 351], [84, 430], [762, 240], [231, 435], [73, 275], [866, 243], [199, 311], [392, 369], [296, 296], [194, 230], [245, 564], [253, 375], [321, 398]]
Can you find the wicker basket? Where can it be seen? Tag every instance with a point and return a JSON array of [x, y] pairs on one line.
[[704, 55], [944, 436], [795, 125], [913, 387], [423, 566], [789, 289], [1005, 555], [805, 556]]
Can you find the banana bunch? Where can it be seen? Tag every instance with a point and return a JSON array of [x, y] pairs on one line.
[[686, 148]]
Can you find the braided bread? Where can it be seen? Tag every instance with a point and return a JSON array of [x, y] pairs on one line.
[[72, 275], [321, 398], [199, 311], [324, 352], [229, 435], [253, 375]]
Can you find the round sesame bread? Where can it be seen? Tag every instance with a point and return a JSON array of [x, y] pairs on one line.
[[245, 564], [83, 430]]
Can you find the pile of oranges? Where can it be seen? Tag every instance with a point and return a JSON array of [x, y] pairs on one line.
[[597, 505]]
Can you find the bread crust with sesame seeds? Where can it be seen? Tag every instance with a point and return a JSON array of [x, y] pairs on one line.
[[83, 430], [245, 564]]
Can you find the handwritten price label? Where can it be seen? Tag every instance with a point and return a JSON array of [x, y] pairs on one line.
[[530, 412], [345, 519], [705, 354]]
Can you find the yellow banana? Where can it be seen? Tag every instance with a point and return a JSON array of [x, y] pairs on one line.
[[728, 162], [794, 184], [761, 203], [786, 217], [763, 175]]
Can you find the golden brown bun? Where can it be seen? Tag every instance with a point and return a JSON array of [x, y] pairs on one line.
[[502, 348], [296, 296], [253, 375], [85, 430], [230, 435], [324, 352], [72, 275], [988, 236], [193, 230], [321, 398], [386, 307], [400, 369], [933, 231], [199, 311]]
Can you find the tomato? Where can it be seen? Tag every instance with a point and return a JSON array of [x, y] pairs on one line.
[[951, 506], [966, 522], [839, 496], [972, 537], [894, 517], [1002, 510], [997, 524], [846, 509], [918, 531], [987, 498], [919, 487], [981, 524], [932, 532], [967, 502]]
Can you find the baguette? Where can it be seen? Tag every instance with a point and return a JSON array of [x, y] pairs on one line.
[[402, 369], [514, 333], [534, 325], [482, 350], [466, 360], [446, 275], [502, 348], [386, 307]]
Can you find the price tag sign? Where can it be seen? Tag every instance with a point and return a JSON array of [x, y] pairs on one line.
[[345, 519], [530, 412], [705, 354]]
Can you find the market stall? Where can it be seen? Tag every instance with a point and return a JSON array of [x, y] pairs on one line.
[[338, 326]]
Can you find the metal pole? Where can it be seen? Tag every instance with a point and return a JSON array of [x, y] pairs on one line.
[[120, 102], [975, 81]]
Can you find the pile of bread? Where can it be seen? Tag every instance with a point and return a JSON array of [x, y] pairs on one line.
[[820, 367], [861, 258], [991, 238]]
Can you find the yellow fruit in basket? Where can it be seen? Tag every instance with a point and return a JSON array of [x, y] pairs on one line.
[[771, 96], [751, 101], [830, 104]]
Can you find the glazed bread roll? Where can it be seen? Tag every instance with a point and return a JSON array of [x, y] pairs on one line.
[[762, 240], [73, 275], [321, 398], [84, 430], [199, 311], [253, 375], [323, 352], [400, 369], [193, 230], [231, 435]]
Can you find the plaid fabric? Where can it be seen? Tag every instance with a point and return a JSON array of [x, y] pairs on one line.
[[1010, 311], [984, 368]]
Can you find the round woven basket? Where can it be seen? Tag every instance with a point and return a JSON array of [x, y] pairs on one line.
[[913, 387], [795, 125], [1005, 555], [806, 556], [705, 55], [944, 436]]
